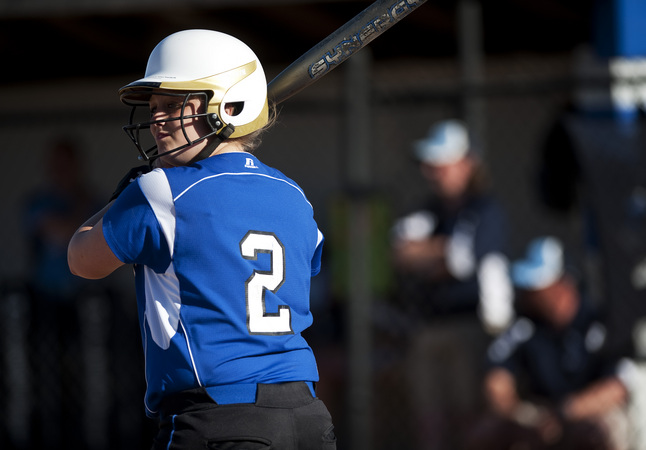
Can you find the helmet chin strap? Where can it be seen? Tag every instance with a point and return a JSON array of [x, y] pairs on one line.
[[213, 143]]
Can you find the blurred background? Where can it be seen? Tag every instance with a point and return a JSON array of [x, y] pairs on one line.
[[71, 371]]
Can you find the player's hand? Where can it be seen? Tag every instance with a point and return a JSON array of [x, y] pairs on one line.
[[131, 176]]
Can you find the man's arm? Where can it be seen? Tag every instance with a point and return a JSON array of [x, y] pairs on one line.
[[500, 392], [598, 398], [88, 254]]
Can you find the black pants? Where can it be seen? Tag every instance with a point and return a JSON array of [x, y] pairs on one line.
[[284, 417]]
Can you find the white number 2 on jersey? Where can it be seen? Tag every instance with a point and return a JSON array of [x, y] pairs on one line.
[[259, 321]]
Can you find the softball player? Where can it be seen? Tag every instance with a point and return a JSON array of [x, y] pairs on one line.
[[223, 249]]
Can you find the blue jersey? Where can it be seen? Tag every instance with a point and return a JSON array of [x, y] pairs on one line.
[[223, 252]]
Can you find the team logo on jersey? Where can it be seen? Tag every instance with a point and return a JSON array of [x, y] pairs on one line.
[[249, 164]]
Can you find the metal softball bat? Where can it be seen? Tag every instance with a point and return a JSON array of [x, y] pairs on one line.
[[339, 46]]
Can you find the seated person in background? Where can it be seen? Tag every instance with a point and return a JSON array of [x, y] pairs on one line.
[[549, 384]]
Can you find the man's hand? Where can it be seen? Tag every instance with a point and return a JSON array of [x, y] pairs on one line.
[[422, 257]]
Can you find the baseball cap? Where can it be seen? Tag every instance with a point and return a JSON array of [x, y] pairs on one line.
[[447, 142], [542, 265]]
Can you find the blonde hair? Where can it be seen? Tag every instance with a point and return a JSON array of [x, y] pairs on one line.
[[252, 141]]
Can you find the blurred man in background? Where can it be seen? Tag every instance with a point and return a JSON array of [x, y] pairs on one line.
[[449, 257], [51, 215]]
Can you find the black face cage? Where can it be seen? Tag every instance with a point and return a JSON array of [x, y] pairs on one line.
[[133, 129]]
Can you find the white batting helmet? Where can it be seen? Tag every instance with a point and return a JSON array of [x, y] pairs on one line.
[[210, 62]]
